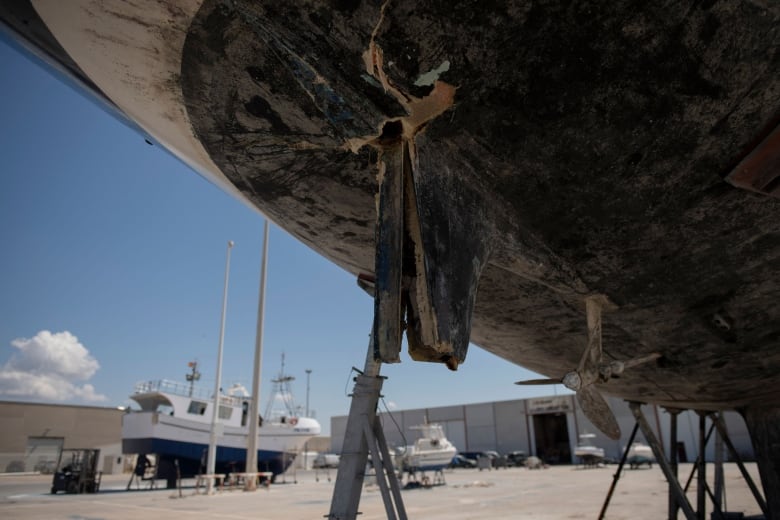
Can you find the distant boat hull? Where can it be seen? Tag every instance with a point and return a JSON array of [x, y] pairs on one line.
[[174, 424], [190, 456], [429, 461], [431, 452], [589, 455], [640, 454], [589, 451], [173, 438]]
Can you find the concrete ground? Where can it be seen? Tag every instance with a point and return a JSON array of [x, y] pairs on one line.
[[557, 492]]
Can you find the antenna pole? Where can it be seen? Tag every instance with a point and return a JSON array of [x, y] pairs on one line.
[[193, 376], [308, 375], [250, 484]]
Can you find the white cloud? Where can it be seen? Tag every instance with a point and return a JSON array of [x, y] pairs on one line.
[[49, 366]]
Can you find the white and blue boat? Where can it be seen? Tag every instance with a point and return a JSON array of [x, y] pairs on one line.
[[174, 424]]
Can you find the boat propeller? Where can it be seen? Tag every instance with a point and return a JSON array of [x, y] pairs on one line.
[[592, 369]]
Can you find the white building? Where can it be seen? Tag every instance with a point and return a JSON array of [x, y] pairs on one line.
[[548, 427]]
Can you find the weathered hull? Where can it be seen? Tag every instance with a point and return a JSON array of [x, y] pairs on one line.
[[587, 146]]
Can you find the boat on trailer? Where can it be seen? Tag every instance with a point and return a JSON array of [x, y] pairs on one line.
[[431, 452], [638, 454], [587, 452], [174, 423]]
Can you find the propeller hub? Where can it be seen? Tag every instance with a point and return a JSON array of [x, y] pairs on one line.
[[572, 381], [605, 372]]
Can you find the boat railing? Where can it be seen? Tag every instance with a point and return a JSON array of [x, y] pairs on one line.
[[184, 390], [430, 430]]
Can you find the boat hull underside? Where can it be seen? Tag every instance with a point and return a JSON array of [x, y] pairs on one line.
[[565, 182], [585, 152]]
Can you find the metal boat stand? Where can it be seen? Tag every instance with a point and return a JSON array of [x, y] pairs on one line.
[[364, 435], [677, 494], [616, 476], [424, 480]]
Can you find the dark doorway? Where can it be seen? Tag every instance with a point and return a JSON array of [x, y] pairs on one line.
[[552, 438]]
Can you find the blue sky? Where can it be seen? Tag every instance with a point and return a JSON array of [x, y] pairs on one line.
[[123, 246]]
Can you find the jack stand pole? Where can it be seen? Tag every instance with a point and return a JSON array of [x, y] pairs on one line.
[[617, 474], [363, 435], [701, 482], [673, 413], [699, 469], [718, 491], [658, 451], [695, 468]]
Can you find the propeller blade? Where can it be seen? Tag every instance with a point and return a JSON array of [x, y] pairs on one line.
[[539, 382], [598, 412], [641, 360], [589, 363]]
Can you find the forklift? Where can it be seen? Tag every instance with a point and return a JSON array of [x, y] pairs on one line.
[[77, 472]]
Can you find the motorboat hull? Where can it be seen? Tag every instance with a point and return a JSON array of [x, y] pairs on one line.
[[429, 461], [639, 454], [431, 452]]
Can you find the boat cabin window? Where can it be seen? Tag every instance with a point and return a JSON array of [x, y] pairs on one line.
[[225, 412], [197, 408]]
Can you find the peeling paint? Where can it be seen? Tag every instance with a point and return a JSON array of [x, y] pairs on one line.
[[372, 56], [420, 110], [424, 340], [432, 75]]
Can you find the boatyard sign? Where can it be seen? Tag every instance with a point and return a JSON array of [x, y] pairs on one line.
[[557, 404]]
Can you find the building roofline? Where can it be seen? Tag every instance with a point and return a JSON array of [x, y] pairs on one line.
[[61, 405]]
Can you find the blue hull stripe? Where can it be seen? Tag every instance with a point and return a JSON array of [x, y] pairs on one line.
[[190, 455]]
